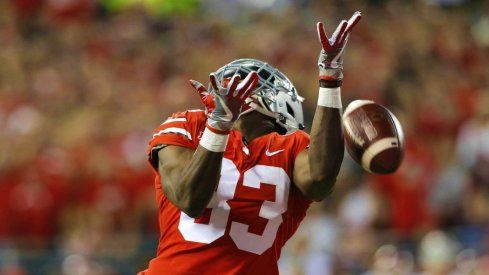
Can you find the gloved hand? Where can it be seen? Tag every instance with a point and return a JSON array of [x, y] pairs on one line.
[[205, 97], [228, 100], [330, 60]]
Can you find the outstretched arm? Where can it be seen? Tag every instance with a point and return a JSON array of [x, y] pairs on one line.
[[190, 178], [317, 167]]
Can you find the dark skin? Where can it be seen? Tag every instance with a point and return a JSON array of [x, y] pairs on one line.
[[190, 178]]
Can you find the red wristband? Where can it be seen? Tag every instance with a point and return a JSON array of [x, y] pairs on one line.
[[216, 131]]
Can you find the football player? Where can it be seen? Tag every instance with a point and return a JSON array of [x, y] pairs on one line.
[[234, 181]]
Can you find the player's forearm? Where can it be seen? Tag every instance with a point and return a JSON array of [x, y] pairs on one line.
[[197, 181], [326, 148], [201, 176], [189, 178]]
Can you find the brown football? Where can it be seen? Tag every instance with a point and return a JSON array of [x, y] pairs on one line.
[[373, 136]]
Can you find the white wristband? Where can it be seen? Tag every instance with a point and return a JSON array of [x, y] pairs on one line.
[[213, 142], [330, 97]]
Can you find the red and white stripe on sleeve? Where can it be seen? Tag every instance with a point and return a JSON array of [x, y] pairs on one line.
[[181, 129]]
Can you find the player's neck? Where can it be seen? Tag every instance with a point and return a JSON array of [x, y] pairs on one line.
[[252, 126]]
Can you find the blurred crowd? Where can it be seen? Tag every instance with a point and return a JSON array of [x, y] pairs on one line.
[[83, 83]]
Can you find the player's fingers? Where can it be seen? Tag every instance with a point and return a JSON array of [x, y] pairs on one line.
[[198, 86], [245, 106], [245, 84], [340, 30], [233, 84], [354, 19], [248, 101], [214, 82], [251, 87], [351, 23], [323, 38]]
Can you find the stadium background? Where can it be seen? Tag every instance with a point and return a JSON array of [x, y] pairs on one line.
[[83, 83]]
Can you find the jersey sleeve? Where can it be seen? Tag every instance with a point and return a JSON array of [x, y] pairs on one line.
[[181, 129], [301, 141]]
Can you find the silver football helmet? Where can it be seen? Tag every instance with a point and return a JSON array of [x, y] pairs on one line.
[[274, 96]]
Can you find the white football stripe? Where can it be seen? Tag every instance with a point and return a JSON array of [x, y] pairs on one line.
[[377, 147], [174, 130], [355, 105], [181, 119]]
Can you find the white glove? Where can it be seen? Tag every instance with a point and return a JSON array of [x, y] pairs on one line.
[[330, 60], [229, 100]]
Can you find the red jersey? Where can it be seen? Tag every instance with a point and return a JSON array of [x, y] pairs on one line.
[[253, 212]]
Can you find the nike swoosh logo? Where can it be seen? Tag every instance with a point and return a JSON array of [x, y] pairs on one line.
[[269, 154]]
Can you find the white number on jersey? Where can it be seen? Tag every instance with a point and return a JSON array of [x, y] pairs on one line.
[[270, 210]]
